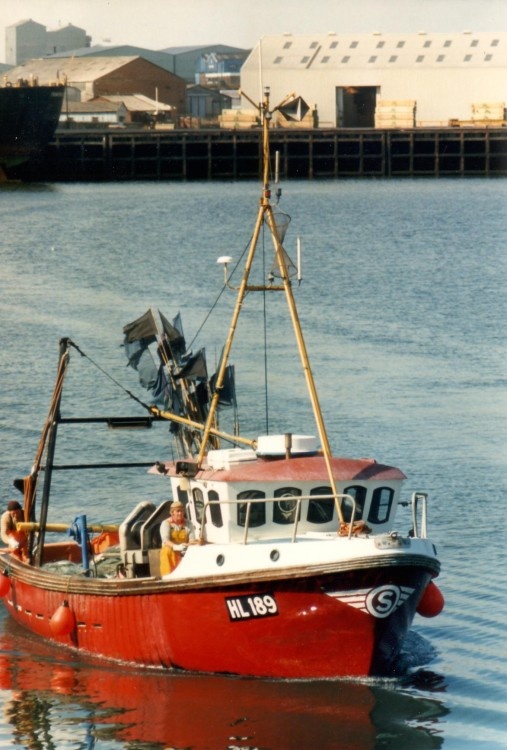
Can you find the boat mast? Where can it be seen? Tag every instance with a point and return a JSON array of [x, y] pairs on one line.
[[49, 443], [266, 214]]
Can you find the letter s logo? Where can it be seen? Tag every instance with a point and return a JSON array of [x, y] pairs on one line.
[[383, 600]]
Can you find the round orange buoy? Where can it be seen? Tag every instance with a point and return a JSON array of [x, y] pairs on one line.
[[62, 621], [5, 583], [432, 602]]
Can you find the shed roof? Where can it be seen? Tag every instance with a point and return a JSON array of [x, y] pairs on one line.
[[138, 103], [74, 69], [94, 105]]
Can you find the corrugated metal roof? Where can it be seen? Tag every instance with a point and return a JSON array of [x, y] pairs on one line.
[[138, 103], [314, 51], [199, 47], [97, 105]]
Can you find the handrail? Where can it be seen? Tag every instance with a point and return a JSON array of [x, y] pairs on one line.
[[419, 498], [338, 498]]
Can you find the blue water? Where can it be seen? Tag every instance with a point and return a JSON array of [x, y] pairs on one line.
[[403, 303]]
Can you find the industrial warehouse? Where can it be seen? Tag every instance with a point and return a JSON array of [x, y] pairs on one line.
[[386, 80], [376, 105]]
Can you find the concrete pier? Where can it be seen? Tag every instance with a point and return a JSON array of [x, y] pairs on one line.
[[214, 154]]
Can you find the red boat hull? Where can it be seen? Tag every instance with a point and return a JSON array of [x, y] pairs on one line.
[[285, 629]]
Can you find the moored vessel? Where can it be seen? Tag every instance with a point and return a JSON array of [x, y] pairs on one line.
[[29, 116]]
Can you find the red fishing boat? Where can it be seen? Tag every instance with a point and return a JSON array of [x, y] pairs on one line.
[[297, 568]]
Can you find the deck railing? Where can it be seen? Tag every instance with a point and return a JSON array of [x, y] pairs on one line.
[[297, 499]]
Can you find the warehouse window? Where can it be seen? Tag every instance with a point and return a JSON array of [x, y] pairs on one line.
[[305, 59], [393, 58], [314, 45], [333, 45], [380, 45], [487, 58], [372, 59], [325, 59], [441, 58], [419, 58], [345, 59], [353, 45], [467, 58], [474, 43], [447, 43], [400, 44], [495, 42], [287, 45], [427, 43], [277, 60]]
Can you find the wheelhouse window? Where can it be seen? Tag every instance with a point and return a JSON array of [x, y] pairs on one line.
[[321, 509], [257, 515], [182, 495], [198, 504], [284, 510], [381, 503], [359, 495], [215, 510]]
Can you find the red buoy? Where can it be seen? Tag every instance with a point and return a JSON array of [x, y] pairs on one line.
[[5, 583], [432, 602], [62, 621]]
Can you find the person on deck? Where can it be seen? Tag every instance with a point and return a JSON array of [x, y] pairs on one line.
[[15, 540], [176, 534]]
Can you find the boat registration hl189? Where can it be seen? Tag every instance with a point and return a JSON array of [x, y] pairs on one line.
[[250, 607]]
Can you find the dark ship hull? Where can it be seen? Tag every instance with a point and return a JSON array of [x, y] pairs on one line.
[[28, 119]]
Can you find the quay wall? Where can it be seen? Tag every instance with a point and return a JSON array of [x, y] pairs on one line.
[[218, 154]]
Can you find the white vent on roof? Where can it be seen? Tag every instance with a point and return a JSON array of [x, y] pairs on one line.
[[276, 445], [224, 458]]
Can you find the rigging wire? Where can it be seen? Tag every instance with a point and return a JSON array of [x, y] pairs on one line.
[[109, 376], [224, 287]]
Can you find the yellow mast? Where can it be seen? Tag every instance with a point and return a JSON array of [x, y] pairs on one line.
[[266, 214]]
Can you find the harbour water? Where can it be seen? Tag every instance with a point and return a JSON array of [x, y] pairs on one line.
[[403, 304]]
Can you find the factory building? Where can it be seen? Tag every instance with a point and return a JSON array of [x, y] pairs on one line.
[[382, 80], [92, 77], [27, 39]]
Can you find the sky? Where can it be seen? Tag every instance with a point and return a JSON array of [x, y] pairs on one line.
[[157, 24]]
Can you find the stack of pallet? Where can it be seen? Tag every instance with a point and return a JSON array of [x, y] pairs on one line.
[[488, 113], [395, 114], [235, 119]]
